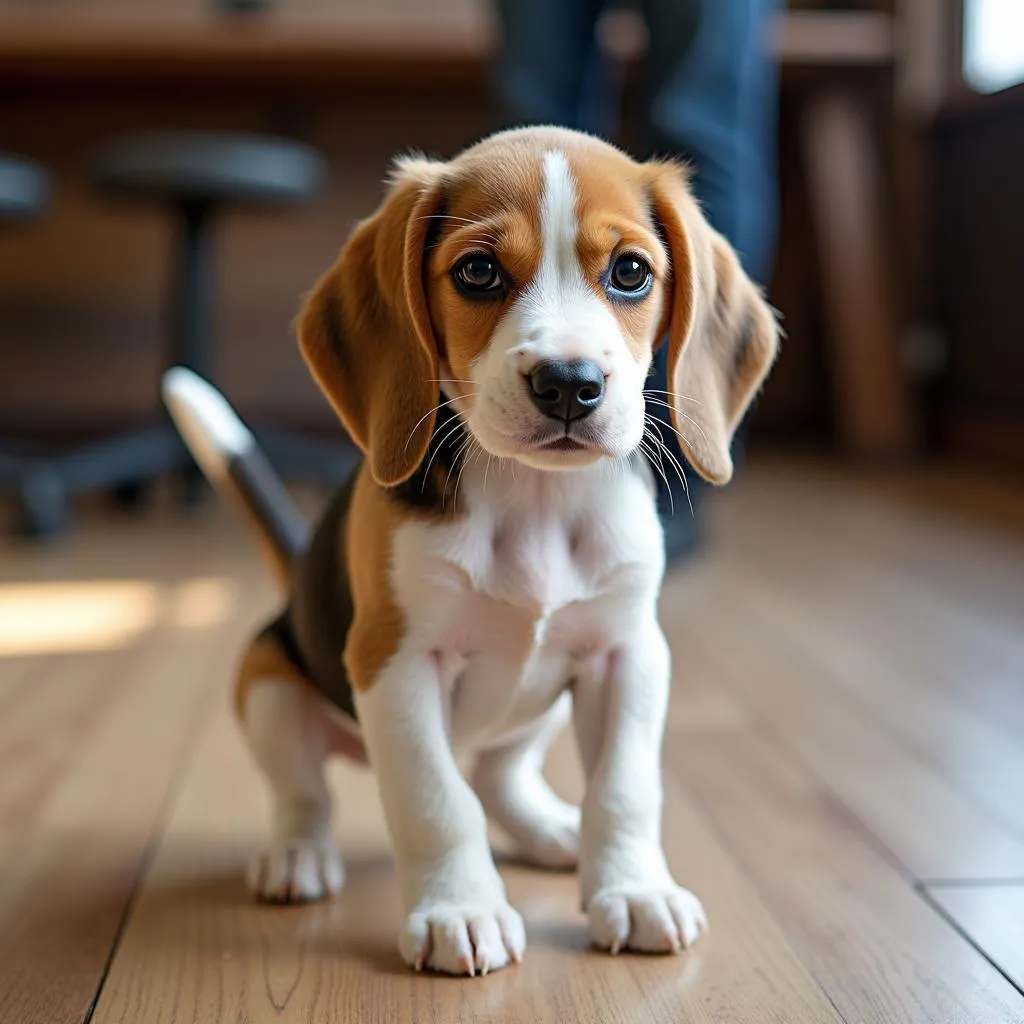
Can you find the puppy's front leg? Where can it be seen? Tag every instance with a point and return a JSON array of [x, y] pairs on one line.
[[629, 894], [458, 919]]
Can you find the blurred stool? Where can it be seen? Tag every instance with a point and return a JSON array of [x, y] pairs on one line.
[[24, 190], [196, 175]]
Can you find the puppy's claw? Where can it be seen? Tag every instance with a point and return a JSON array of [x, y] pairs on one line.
[[666, 920]]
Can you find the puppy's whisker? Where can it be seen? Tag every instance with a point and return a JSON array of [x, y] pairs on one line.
[[441, 442], [654, 426], [677, 465], [677, 468], [455, 461], [476, 458], [659, 465], [672, 394], [487, 469], [430, 412], [448, 216], [689, 419], [661, 423]]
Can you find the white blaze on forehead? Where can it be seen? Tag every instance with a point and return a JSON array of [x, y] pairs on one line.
[[560, 315], [558, 225]]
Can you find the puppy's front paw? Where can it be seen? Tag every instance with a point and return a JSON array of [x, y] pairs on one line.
[[660, 920], [297, 872], [462, 938]]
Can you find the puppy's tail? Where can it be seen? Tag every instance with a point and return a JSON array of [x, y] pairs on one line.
[[230, 459]]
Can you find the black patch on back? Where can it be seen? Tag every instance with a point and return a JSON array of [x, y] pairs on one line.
[[313, 628]]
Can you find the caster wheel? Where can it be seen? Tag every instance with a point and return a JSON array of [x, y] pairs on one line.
[[130, 495], [44, 505]]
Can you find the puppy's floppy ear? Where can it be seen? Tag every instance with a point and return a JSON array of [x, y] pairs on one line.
[[723, 336], [365, 330]]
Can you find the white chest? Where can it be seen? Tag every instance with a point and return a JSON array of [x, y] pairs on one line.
[[540, 572]]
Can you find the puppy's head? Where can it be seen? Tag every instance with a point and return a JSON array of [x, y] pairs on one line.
[[528, 282]]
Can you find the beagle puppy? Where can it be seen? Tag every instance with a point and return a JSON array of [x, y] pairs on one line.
[[492, 571]]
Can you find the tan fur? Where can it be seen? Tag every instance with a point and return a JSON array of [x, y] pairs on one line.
[[378, 624], [723, 336], [499, 213], [264, 659], [614, 219], [383, 321], [366, 335]]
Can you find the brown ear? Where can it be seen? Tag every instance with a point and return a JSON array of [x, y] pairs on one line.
[[723, 336], [365, 331]]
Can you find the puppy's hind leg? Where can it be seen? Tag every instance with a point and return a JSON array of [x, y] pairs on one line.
[[511, 785], [287, 731]]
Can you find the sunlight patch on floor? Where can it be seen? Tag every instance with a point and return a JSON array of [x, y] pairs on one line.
[[62, 616]]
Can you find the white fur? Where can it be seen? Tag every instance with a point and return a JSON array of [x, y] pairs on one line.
[[510, 783], [558, 316], [212, 431], [551, 578], [289, 737], [546, 586]]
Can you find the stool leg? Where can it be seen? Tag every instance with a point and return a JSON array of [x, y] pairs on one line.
[[192, 311]]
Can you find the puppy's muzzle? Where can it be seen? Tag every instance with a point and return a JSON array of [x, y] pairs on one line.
[[566, 390]]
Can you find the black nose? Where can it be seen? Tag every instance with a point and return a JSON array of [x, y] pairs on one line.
[[567, 390]]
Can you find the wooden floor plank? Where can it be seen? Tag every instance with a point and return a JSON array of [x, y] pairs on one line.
[[880, 952], [944, 676], [942, 597], [934, 829], [887, 681], [959, 535], [992, 916], [87, 755], [196, 948], [845, 722]]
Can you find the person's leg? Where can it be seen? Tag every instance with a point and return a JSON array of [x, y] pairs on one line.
[[712, 85], [546, 60]]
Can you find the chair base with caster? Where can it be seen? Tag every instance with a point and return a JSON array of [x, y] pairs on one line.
[[196, 175], [45, 485]]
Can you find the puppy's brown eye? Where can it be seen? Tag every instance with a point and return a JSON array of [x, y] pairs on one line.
[[478, 275], [629, 275]]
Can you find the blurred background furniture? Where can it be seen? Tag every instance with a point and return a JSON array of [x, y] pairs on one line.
[[197, 176], [24, 189], [977, 148], [862, 84], [839, 62]]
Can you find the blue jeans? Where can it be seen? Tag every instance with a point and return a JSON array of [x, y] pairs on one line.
[[710, 97]]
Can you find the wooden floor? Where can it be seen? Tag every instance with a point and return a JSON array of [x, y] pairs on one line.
[[844, 774]]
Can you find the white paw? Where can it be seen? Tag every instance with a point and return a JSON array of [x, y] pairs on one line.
[[664, 920], [462, 938], [297, 872], [553, 842]]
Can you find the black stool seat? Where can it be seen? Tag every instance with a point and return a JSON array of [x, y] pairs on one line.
[[24, 188], [208, 167]]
